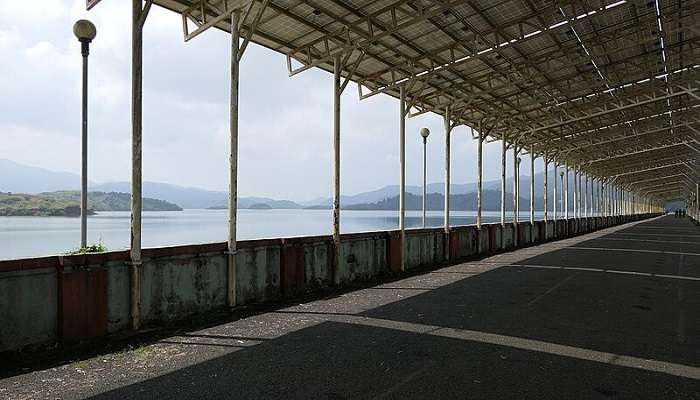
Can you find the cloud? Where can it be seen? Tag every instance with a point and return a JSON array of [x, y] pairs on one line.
[[286, 124]]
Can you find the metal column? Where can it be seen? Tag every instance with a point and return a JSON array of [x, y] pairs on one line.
[[546, 166], [447, 121], [554, 194], [138, 15], [580, 195], [233, 161], [448, 130], [515, 184], [532, 187], [337, 91], [576, 208], [402, 183], [504, 148], [585, 197], [566, 192], [479, 168]]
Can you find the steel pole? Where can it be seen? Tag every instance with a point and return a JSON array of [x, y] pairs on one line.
[[565, 183], [597, 197], [85, 50], [504, 148], [532, 187], [402, 184], [136, 176], [585, 197], [233, 160], [515, 194], [590, 196], [448, 131], [336, 168], [479, 168], [576, 197], [515, 183], [581, 196], [554, 193], [544, 186]]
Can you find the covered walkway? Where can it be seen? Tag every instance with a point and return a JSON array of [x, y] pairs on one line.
[[610, 314]]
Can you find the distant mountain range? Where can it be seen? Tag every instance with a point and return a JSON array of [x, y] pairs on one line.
[[491, 201], [18, 178]]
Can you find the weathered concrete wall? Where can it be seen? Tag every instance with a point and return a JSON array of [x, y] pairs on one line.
[[172, 287], [362, 258], [28, 309], [317, 264], [424, 247], [117, 296], [463, 242], [549, 230], [43, 300], [507, 237]]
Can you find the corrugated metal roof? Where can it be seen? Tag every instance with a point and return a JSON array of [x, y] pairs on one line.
[[611, 86]]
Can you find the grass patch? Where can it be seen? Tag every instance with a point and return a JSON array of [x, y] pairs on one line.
[[98, 247]]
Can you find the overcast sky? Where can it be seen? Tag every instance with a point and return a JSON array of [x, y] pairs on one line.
[[285, 123]]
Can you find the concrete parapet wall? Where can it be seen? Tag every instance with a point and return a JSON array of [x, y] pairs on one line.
[[63, 298], [424, 247]]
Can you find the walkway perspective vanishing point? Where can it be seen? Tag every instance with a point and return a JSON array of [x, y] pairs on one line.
[[609, 314]]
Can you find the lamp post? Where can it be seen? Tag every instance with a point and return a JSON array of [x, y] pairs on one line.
[[85, 31], [424, 132]]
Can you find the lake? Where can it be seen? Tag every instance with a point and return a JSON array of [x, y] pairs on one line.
[[41, 236]]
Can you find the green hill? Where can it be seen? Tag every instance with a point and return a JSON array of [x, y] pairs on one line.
[[32, 205], [111, 201], [67, 203]]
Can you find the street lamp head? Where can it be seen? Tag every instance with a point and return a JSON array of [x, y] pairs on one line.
[[84, 30], [425, 132]]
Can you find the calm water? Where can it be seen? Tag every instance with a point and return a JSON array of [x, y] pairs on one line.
[[38, 236]]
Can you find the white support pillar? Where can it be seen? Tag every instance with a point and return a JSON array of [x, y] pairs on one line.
[[576, 197], [138, 15], [603, 206], [566, 192], [590, 196], [233, 160], [554, 193], [585, 197], [402, 183], [504, 148], [545, 185], [515, 183], [598, 198], [532, 187], [479, 177], [516, 194], [337, 92], [447, 118], [580, 195]]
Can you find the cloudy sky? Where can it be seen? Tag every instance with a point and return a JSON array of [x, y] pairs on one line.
[[285, 127]]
